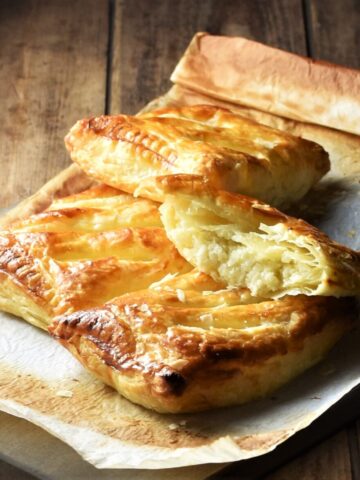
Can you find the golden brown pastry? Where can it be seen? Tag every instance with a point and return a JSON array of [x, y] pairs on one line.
[[343, 148], [234, 153], [244, 242], [190, 344], [82, 251]]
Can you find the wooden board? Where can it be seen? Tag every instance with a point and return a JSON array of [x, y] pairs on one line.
[[333, 31], [149, 37], [52, 72], [307, 458], [315, 463], [8, 471]]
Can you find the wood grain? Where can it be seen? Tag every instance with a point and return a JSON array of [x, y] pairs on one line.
[[315, 465], [150, 37], [353, 432], [334, 31], [52, 72], [9, 472]]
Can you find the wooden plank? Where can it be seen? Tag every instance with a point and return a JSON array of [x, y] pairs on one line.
[[150, 37], [330, 460], [334, 35], [52, 72], [343, 412], [8, 472], [334, 31], [353, 432]]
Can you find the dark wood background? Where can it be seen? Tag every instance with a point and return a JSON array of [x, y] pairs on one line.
[[61, 60]]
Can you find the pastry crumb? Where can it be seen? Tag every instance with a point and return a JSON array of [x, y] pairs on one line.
[[173, 426], [144, 308], [166, 278], [206, 317], [328, 371], [64, 393], [181, 295]]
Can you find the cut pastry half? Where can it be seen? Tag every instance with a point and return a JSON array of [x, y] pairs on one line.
[[232, 152], [244, 242], [189, 344], [82, 251]]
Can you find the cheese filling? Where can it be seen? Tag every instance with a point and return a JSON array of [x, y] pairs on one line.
[[270, 260]]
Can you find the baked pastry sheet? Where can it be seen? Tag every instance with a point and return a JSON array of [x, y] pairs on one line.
[[234, 153], [42, 382], [83, 250]]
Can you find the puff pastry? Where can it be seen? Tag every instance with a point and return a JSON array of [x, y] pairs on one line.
[[234, 153], [244, 242], [190, 344], [82, 251]]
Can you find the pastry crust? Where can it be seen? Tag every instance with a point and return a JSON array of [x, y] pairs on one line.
[[230, 151], [244, 242], [189, 344], [271, 80], [343, 148], [82, 251]]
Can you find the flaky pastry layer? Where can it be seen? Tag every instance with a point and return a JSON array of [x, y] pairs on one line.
[[244, 242], [190, 344], [82, 251], [234, 153]]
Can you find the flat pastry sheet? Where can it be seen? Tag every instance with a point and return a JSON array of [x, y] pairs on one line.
[[41, 382]]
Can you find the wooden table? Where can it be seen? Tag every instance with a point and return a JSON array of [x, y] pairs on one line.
[[65, 59]]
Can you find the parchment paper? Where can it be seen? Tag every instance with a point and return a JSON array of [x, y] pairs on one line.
[[41, 382], [34, 450]]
